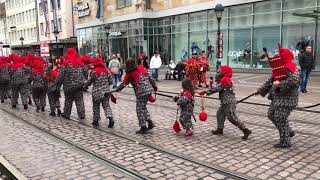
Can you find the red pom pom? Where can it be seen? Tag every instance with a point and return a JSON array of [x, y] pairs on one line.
[[113, 99], [203, 116], [176, 126], [152, 99]]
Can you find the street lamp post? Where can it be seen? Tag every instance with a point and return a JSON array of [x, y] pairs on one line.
[[107, 28], [21, 39], [56, 33], [219, 10]]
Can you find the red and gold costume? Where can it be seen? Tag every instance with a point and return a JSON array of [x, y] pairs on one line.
[[203, 67], [192, 70]]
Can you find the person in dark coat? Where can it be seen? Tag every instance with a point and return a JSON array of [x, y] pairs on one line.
[[282, 88], [4, 78], [101, 79], [19, 79], [38, 84], [228, 105], [306, 62], [143, 86], [71, 76]]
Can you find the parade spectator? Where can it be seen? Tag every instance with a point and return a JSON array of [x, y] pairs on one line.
[[306, 61], [121, 66], [114, 66], [170, 71], [180, 70], [155, 65], [143, 60]]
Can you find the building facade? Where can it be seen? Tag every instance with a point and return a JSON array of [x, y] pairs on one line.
[[22, 25], [4, 42], [57, 13], [176, 28]]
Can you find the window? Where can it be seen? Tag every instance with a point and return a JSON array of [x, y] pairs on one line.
[[41, 29], [47, 28], [123, 3]]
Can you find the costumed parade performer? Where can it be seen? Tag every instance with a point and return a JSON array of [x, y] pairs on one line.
[[4, 78], [19, 74], [186, 103], [38, 83], [204, 67], [53, 92], [71, 75], [86, 66], [228, 101], [101, 79], [192, 69], [283, 90], [143, 86]]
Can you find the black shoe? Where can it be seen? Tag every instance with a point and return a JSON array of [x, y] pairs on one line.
[[42, 109], [14, 106], [2, 101], [217, 132], [95, 123], [246, 133], [64, 116], [58, 111], [53, 114], [150, 125], [25, 106], [292, 133], [111, 123], [305, 91], [279, 145], [143, 130], [38, 109]]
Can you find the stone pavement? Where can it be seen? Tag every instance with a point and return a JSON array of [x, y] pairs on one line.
[[246, 83], [149, 162], [162, 154], [40, 156]]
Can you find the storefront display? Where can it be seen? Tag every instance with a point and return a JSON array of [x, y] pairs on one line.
[[246, 29]]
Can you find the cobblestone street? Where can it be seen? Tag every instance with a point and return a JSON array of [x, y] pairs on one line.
[[40, 146]]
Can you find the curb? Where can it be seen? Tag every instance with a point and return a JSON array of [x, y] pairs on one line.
[[17, 174]]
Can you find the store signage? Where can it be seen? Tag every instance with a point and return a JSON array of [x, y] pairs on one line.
[[115, 33], [44, 49], [82, 9]]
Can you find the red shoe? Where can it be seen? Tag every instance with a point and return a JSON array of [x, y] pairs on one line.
[[189, 132]]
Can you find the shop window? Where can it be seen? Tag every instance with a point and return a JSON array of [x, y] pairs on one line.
[[296, 4], [267, 6], [264, 37], [240, 48], [293, 34], [240, 10], [180, 46]]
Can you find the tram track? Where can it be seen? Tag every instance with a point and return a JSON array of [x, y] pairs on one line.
[[112, 165], [248, 113], [242, 112], [218, 169]]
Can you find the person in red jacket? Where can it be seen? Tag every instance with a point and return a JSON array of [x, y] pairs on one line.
[[143, 86]]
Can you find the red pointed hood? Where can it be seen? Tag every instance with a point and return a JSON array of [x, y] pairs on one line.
[[226, 73], [4, 61], [38, 66], [73, 59], [98, 66], [85, 59], [18, 61]]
